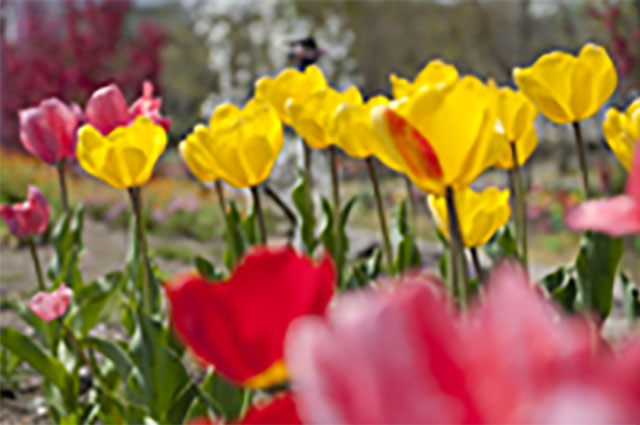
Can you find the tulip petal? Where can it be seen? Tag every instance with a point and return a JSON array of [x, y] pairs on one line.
[[601, 82], [622, 131], [633, 182], [49, 306], [107, 109], [280, 410], [239, 325], [615, 216]]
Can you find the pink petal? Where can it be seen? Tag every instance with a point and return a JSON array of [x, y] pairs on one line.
[[51, 305], [633, 182], [107, 109], [27, 218], [149, 106], [615, 216]]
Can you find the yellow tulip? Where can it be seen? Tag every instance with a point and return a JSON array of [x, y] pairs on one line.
[[289, 84], [353, 133], [240, 146], [312, 117], [480, 214], [516, 114], [622, 131], [568, 88], [125, 157], [435, 73], [443, 135]]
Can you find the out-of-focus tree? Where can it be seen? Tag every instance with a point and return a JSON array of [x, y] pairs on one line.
[[68, 49]]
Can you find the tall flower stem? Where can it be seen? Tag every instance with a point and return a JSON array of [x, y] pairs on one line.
[[223, 208], [36, 263], [63, 186], [476, 263], [335, 185], [582, 159], [136, 205], [381, 216], [460, 275], [412, 204], [520, 195], [258, 206], [307, 162]]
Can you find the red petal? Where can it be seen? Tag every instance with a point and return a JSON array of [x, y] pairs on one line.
[[239, 325], [281, 410], [107, 109], [615, 216]]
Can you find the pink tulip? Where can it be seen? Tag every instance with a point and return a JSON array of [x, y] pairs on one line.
[[48, 130], [107, 108], [27, 218], [149, 106], [616, 216], [405, 357], [51, 305]]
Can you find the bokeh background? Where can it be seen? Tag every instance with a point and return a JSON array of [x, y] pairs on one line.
[[199, 53]]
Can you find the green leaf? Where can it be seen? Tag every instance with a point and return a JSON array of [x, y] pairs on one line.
[[365, 271], [566, 295], [91, 300], [66, 240], [502, 245], [596, 269], [207, 269], [224, 398], [553, 280], [328, 234], [234, 236], [24, 347], [47, 332], [112, 351], [631, 298], [303, 202], [250, 226], [160, 376], [407, 252], [180, 406]]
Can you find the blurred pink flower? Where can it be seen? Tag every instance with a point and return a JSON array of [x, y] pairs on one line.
[[27, 218], [405, 357], [107, 108], [51, 305], [616, 216], [48, 130]]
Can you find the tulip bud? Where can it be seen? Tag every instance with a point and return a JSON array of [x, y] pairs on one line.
[[107, 109], [48, 130], [51, 305], [28, 218]]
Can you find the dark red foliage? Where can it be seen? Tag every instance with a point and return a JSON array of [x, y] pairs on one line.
[[70, 49], [623, 42]]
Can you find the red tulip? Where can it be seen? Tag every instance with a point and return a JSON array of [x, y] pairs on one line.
[[281, 410], [107, 108], [48, 130], [27, 218], [616, 216], [404, 357], [239, 325], [51, 305]]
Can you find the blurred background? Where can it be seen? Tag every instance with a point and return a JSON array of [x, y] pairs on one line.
[[199, 53]]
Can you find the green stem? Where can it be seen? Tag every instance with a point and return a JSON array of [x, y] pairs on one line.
[[381, 216], [412, 204], [223, 208], [36, 263], [136, 204], [582, 159], [335, 185], [459, 263], [76, 345], [258, 206], [307, 162], [521, 205], [476, 263], [63, 186]]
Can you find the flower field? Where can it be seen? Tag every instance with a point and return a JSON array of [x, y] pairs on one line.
[[421, 268]]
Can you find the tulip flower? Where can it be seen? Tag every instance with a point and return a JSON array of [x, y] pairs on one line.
[[516, 114], [239, 325], [513, 358], [616, 216], [622, 131], [289, 84], [48, 131], [568, 89], [435, 74], [481, 214], [280, 410], [51, 305], [28, 219], [107, 108], [240, 146], [438, 154]]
